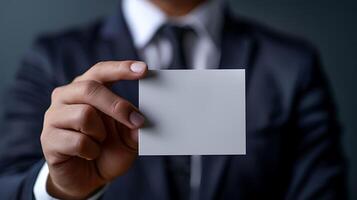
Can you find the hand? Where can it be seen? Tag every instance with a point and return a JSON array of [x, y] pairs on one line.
[[90, 135]]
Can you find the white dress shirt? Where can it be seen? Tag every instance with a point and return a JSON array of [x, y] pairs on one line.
[[144, 19]]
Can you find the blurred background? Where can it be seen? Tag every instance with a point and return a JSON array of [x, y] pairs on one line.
[[331, 25]]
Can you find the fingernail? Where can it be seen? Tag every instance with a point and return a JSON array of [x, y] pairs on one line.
[[138, 67], [136, 119]]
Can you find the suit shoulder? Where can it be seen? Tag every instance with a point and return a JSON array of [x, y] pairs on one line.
[[286, 59], [274, 41], [66, 54], [83, 35]]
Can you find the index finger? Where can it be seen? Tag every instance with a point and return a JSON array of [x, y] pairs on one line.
[[112, 71]]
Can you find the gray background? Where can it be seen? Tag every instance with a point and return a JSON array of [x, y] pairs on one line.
[[330, 24]]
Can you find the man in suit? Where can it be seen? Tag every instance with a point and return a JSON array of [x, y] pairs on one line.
[[71, 119]]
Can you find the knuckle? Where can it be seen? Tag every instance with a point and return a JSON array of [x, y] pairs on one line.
[[78, 78], [90, 88], [47, 148], [45, 136], [47, 115], [86, 113], [99, 64], [43, 139], [56, 93], [53, 158]]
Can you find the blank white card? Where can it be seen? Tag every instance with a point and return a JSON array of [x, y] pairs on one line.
[[193, 112]]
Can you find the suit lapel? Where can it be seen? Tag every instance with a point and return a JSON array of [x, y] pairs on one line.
[[237, 50], [117, 37], [237, 46]]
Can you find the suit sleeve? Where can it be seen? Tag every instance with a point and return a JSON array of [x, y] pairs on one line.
[[319, 169], [22, 116]]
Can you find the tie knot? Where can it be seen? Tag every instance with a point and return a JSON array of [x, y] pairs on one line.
[[178, 32]]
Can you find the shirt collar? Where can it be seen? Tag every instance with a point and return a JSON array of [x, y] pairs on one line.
[[144, 19]]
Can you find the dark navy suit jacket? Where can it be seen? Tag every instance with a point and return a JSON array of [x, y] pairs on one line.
[[293, 138]]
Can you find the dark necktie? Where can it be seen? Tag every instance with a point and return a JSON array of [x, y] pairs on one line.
[[179, 167], [177, 36]]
